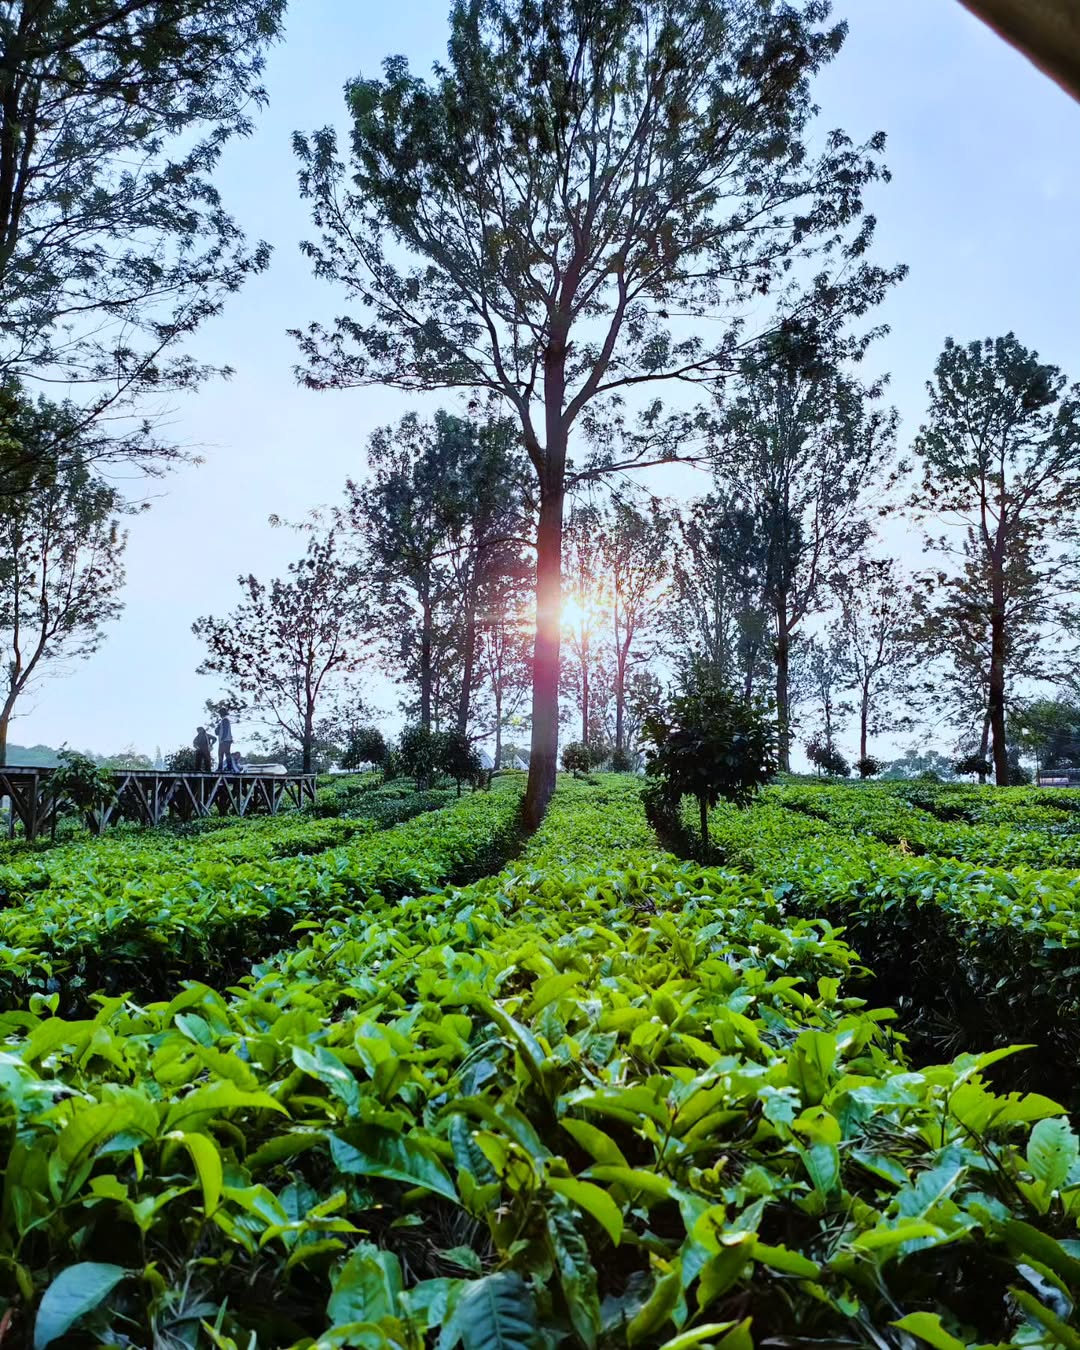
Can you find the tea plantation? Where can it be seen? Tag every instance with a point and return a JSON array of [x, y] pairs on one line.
[[339, 1080]]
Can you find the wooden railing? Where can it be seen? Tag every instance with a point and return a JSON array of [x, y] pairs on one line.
[[150, 798]]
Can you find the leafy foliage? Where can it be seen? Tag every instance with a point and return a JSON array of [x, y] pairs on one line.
[[80, 785], [827, 758], [1000, 457], [287, 645], [708, 743], [530, 221], [116, 245], [603, 1097], [459, 759], [576, 758], [76, 922], [419, 750], [61, 551], [442, 518], [975, 764], [965, 899], [365, 745]]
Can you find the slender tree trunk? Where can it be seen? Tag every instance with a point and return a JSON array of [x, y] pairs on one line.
[[5, 721], [703, 810], [984, 745], [620, 711], [864, 719], [468, 664], [309, 736], [545, 701], [783, 660], [498, 727], [585, 695], [425, 668], [996, 700]]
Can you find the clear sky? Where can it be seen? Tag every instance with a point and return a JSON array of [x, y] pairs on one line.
[[984, 206]]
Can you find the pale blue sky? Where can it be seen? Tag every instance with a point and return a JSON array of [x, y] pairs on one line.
[[984, 206]]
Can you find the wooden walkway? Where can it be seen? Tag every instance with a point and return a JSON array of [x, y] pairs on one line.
[[150, 798]]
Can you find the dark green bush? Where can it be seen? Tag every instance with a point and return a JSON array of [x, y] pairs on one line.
[[708, 742]]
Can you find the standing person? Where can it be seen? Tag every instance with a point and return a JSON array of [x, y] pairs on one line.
[[202, 743], [223, 731]]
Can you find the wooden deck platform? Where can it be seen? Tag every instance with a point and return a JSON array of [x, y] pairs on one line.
[[150, 798]]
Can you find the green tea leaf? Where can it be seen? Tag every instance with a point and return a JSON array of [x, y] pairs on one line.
[[576, 1272], [371, 1150], [791, 1263], [494, 1313], [1051, 1152], [593, 1201], [882, 1238], [75, 1292], [657, 1311], [324, 1065], [367, 1287], [686, 1340], [1062, 1333], [635, 1179], [1045, 1249], [594, 1141], [207, 1159], [928, 1328]]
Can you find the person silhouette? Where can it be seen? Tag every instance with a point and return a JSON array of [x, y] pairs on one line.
[[223, 731], [202, 743]]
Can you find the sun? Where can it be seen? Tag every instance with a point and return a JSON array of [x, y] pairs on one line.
[[573, 612]]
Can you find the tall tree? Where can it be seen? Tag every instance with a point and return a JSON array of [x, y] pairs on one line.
[[61, 553], [285, 648], [439, 516], [586, 607], [804, 442], [875, 630], [486, 538], [1000, 459], [504, 643], [634, 556], [1049, 729], [826, 674], [717, 616], [114, 245], [547, 216]]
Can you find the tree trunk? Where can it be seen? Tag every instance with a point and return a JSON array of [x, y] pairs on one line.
[[468, 657], [984, 746], [425, 668], [585, 697], [783, 657], [703, 809], [498, 727], [620, 706], [5, 721], [864, 719], [545, 701], [996, 703], [305, 749]]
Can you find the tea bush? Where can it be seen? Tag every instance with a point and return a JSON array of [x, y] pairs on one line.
[[602, 1098]]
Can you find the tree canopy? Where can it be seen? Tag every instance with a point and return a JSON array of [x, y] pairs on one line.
[[114, 242], [61, 556], [547, 216], [284, 649], [999, 462]]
